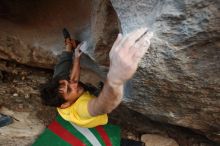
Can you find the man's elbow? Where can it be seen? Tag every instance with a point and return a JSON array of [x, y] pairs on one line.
[[108, 110]]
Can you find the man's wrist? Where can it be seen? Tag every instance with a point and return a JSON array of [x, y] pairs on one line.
[[77, 59], [113, 82]]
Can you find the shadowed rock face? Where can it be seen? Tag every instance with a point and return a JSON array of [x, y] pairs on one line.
[[177, 82], [105, 28], [31, 31]]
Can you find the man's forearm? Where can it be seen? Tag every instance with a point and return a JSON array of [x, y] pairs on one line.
[[109, 98]]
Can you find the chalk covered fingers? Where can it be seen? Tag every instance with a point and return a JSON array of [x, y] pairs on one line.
[[78, 49], [126, 53], [141, 47]]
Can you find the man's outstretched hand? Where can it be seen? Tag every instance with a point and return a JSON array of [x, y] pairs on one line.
[[125, 55]]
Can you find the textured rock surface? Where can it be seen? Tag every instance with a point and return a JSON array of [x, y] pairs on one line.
[[105, 28], [178, 81], [157, 140]]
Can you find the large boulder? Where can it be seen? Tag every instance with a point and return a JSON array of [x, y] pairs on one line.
[[179, 80]]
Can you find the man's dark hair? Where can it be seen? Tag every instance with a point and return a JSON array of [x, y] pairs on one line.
[[50, 93], [92, 89]]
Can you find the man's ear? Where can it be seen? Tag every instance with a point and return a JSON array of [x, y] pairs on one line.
[[65, 105]]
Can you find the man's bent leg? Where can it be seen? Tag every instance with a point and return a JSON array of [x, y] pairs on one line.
[[64, 65]]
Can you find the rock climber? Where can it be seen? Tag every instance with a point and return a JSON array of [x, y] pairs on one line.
[[74, 100]]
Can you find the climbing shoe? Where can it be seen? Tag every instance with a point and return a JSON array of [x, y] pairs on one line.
[[5, 120], [68, 39], [66, 34]]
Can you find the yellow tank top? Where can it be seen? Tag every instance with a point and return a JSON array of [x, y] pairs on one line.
[[78, 113]]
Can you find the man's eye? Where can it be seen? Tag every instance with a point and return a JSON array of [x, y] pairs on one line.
[[61, 85], [68, 89]]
